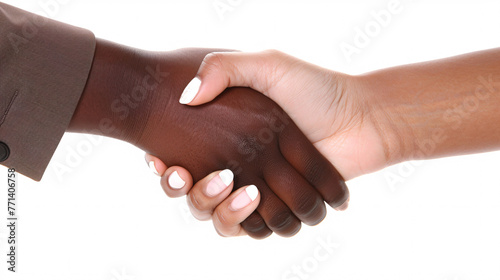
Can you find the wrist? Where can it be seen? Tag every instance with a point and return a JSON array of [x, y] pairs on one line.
[[116, 93], [386, 112]]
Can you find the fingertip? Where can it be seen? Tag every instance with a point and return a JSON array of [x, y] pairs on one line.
[[245, 198], [344, 205], [252, 192], [155, 164], [227, 176], [215, 76], [190, 91], [208, 91], [229, 215], [339, 200], [208, 193], [218, 182], [152, 166], [176, 181]]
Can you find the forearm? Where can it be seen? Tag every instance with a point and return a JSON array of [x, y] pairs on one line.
[[438, 108]]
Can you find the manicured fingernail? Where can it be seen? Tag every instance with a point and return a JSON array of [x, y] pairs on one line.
[[152, 166], [226, 176], [219, 183], [190, 91], [175, 181], [244, 198]]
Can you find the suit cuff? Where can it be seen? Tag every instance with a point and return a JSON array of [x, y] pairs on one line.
[[44, 66]]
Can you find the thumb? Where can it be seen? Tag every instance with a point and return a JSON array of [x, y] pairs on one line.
[[220, 70]]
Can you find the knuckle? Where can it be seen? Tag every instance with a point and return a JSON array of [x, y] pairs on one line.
[[251, 147], [309, 206], [214, 62], [317, 171], [275, 65], [220, 232], [254, 225], [224, 232], [273, 53], [199, 205], [221, 219], [281, 221], [201, 216]]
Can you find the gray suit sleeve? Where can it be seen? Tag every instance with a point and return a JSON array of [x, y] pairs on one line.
[[44, 66]]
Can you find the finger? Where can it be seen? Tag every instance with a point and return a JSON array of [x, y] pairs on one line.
[[276, 214], [255, 226], [176, 181], [220, 70], [303, 199], [315, 168], [344, 205], [209, 192], [235, 209], [155, 164]]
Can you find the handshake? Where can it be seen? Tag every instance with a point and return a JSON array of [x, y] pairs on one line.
[[260, 141], [241, 135]]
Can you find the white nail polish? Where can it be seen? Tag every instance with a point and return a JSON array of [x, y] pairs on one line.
[[190, 91], [226, 176], [152, 166], [175, 181], [252, 192]]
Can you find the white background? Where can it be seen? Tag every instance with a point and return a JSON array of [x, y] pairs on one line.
[[109, 219]]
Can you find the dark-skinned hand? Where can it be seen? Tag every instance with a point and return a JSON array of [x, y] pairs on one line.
[[133, 95]]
